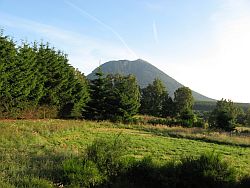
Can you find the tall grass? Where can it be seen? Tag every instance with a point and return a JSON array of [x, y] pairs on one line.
[[33, 151]]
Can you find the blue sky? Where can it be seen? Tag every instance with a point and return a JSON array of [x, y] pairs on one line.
[[202, 44]]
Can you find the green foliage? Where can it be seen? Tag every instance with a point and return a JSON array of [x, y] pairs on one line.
[[36, 183], [153, 98], [206, 171], [248, 117], [7, 62], [96, 105], [6, 185], [38, 75], [81, 174], [224, 115], [102, 161], [102, 167], [168, 108], [75, 99], [114, 97], [188, 118], [122, 98], [183, 100]]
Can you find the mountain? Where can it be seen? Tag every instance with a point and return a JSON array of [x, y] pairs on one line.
[[145, 74]]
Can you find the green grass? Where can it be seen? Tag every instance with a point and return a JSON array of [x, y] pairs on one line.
[[32, 151]]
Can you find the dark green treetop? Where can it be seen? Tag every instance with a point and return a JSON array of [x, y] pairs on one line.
[[153, 98], [224, 115], [183, 100]]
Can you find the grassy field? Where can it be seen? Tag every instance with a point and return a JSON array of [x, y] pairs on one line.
[[33, 150]]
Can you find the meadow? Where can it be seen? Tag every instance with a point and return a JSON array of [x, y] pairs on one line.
[[32, 151]]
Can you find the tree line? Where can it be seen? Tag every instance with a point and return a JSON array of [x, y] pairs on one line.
[[37, 81]]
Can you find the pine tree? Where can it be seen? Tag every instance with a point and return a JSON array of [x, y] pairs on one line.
[[74, 105], [96, 106], [123, 97], [154, 98], [25, 78], [8, 55], [183, 100]]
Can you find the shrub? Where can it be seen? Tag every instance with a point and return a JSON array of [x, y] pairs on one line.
[[208, 170], [144, 174], [82, 173], [104, 165], [102, 161]]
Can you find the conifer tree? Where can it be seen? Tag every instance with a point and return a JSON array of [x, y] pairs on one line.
[[33, 76], [74, 104], [183, 100], [123, 97], [8, 54], [96, 106], [25, 77], [154, 98]]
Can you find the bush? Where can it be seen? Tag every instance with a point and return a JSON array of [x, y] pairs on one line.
[[201, 123], [206, 171], [82, 173], [102, 161], [104, 165]]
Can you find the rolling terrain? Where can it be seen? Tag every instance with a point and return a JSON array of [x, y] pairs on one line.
[[32, 151]]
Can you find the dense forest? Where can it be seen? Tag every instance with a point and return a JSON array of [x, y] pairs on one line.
[[37, 81]]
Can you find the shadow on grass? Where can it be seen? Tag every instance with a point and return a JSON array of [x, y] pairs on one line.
[[174, 134]]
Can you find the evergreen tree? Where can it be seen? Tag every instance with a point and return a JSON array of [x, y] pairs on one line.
[[25, 78], [183, 100], [154, 99], [33, 76], [64, 87], [8, 55], [168, 108], [224, 115], [122, 97], [54, 67], [96, 106], [74, 105]]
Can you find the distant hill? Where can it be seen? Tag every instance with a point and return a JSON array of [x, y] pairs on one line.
[[145, 74]]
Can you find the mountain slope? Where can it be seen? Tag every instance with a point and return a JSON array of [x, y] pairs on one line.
[[145, 74]]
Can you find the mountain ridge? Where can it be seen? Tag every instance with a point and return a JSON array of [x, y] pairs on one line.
[[145, 74]]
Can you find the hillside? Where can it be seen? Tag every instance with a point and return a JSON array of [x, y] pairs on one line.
[[145, 74], [33, 151]]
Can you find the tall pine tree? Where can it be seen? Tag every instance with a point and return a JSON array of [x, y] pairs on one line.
[[8, 55], [123, 97], [96, 107]]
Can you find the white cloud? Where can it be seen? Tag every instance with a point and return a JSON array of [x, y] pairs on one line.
[[155, 33], [84, 52]]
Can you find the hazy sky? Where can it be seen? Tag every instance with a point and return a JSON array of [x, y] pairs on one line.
[[203, 44]]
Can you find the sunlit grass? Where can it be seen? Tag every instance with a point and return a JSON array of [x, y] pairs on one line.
[[33, 150]]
